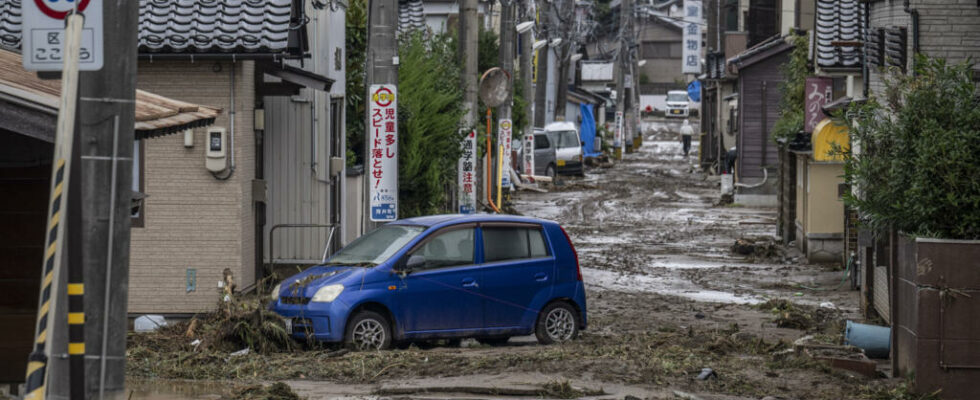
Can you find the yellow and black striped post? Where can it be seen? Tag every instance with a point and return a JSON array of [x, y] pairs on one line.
[[54, 240]]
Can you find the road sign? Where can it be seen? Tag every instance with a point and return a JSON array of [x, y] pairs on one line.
[[504, 136], [44, 34], [467, 175], [383, 136]]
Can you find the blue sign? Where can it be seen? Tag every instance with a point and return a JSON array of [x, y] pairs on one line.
[[466, 209], [383, 212]]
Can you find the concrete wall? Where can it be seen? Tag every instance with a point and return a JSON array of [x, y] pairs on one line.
[[819, 211], [193, 220]]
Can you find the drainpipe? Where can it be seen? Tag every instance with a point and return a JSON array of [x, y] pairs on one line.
[[865, 69], [231, 126], [914, 15]]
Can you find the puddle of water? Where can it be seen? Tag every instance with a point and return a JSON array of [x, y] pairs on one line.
[[662, 285]]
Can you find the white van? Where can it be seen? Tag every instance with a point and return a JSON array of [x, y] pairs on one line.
[[677, 104], [568, 148]]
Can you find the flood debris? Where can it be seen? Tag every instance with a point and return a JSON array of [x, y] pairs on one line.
[[707, 373], [805, 318], [762, 247], [559, 389]]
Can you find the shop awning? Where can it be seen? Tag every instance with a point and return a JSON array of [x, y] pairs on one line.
[[30, 104]]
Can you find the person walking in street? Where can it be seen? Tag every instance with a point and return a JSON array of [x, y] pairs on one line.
[[686, 132]]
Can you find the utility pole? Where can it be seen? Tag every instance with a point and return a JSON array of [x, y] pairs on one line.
[[541, 86], [106, 120], [469, 30], [527, 47], [507, 32], [625, 36], [565, 12], [382, 68]]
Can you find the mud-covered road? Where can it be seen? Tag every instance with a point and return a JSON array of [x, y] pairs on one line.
[[666, 296]]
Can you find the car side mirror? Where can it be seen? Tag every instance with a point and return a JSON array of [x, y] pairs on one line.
[[583, 142]]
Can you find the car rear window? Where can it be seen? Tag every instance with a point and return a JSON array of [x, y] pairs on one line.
[[513, 243]]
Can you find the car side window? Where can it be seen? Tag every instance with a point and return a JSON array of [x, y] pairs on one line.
[[541, 142], [512, 243], [448, 249]]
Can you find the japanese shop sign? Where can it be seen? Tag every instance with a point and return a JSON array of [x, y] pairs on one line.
[[504, 137], [44, 34], [383, 136], [618, 130], [691, 53], [529, 153], [818, 93], [466, 180]]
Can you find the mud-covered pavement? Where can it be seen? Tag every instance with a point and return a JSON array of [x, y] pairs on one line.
[[666, 299]]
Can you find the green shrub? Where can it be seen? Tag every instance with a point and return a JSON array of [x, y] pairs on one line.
[[356, 51], [915, 157], [429, 117], [792, 103]]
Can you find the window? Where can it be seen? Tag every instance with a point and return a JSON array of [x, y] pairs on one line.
[[568, 139], [138, 210], [661, 50], [512, 243], [377, 246], [541, 142], [449, 249]]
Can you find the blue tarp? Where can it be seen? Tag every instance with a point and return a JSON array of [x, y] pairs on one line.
[[694, 91], [587, 131]]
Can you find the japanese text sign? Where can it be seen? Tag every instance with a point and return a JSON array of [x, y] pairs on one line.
[[529, 153], [691, 46], [618, 131], [819, 92], [44, 34], [466, 180], [504, 137], [383, 164]]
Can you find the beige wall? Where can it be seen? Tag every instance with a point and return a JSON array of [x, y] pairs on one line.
[[192, 219], [825, 210]]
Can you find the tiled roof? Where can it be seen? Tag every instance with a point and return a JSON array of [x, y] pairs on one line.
[[838, 21], [193, 26]]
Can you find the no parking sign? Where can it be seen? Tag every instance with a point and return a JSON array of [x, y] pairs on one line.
[[44, 34]]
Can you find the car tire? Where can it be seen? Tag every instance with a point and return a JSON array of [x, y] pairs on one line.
[[557, 323], [368, 330], [550, 172], [493, 341]]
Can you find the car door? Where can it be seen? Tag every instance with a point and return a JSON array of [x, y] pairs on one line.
[[518, 273], [544, 153], [444, 293]]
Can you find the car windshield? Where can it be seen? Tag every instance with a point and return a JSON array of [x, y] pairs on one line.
[[375, 247], [678, 97], [567, 139]]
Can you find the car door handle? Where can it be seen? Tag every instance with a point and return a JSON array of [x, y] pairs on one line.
[[470, 283], [541, 277]]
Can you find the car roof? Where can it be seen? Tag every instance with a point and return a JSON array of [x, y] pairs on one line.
[[560, 126], [450, 219]]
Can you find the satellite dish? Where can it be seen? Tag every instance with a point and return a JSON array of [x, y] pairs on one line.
[[494, 87]]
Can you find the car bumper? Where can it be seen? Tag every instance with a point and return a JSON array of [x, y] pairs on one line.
[[320, 321], [570, 168]]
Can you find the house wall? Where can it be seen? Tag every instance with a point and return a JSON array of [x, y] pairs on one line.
[[193, 220], [948, 29], [758, 112], [659, 70], [824, 228]]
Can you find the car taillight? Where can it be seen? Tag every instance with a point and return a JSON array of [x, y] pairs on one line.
[[578, 268]]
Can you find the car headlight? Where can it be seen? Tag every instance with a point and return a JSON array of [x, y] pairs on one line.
[[327, 293], [275, 291]]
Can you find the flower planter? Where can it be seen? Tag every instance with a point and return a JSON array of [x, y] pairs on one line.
[[936, 301]]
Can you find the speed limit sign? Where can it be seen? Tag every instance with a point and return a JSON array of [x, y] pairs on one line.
[[44, 34]]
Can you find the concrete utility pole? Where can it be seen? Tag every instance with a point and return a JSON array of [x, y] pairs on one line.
[[507, 33], [106, 119], [469, 30], [541, 86], [382, 68], [527, 51], [625, 36]]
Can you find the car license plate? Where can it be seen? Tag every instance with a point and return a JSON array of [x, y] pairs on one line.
[[289, 326], [561, 163], [675, 111]]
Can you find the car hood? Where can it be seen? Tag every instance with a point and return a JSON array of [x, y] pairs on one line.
[[677, 103], [306, 283]]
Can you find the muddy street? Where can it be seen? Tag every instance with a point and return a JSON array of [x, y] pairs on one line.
[[667, 299]]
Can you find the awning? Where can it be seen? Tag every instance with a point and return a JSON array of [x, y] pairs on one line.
[[31, 105]]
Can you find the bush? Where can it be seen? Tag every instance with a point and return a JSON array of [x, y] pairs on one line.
[[793, 89], [429, 117], [916, 158]]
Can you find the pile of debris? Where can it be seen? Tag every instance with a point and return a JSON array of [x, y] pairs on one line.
[[763, 247]]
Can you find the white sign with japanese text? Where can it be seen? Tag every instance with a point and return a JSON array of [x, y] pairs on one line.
[[44, 34], [467, 175], [528, 153], [691, 54], [383, 165], [618, 131], [504, 137]]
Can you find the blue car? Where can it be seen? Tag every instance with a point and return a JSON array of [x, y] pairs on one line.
[[487, 277]]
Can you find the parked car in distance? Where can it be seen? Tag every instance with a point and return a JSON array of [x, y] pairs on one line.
[[677, 104], [568, 148], [544, 154], [479, 276]]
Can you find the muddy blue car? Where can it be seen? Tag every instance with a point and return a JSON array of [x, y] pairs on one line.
[[488, 277]]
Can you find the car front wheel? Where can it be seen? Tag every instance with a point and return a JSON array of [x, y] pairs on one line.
[[368, 330], [557, 323]]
